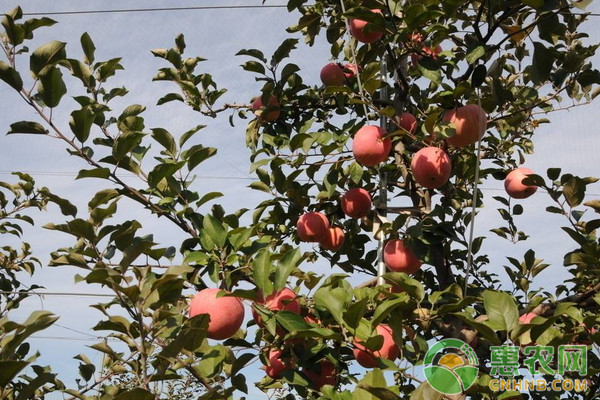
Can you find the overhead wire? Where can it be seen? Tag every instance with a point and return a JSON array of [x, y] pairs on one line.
[[158, 9]]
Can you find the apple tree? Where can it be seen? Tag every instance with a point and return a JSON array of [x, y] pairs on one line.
[[423, 101]]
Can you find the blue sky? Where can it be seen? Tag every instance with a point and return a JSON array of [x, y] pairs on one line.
[[570, 142]]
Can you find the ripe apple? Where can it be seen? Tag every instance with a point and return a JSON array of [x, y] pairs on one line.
[[399, 258], [313, 227], [408, 122], [526, 318], [514, 186], [357, 30], [370, 147], [368, 358], [351, 70], [226, 313], [325, 375], [285, 299], [356, 203], [431, 167], [275, 366], [270, 113], [470, 123], [334, 239], [332, 75], [427, 51]]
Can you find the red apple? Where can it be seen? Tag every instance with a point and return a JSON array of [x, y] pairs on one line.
[[470, 123], [526, 318], [357, 30], [226, 313], [370, 147], [408, 122], [272, 111], [427, 51], [334, 239], [399, 258], [275, 366], [356, 203], [312, 227], [332, 75], [285, 299], [367, 358], [431, 167], [325, 375], [514, 186], [351, 70]]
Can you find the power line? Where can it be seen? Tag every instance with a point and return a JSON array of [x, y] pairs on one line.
[[193, 8], [71, 338], [140, 10], [57, 294]]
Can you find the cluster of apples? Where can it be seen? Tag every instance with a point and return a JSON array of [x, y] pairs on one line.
[[314, 227]]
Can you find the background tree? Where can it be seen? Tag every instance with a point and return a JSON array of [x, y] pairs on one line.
[[511, 59]]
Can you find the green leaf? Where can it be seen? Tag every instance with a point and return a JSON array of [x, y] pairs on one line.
[[81, 123], [291, 321], [10, 76], [261, 272], [375, 387], [425, 391], [169, 97], [162, 171], [430, 70], [14, 32], [102, 173], [541, 67], [208, 197], [34, 23], [66, 207], [501, 310], [574, 191], [46, 56], [534, 3], [27, 127], [197, 154], [187, 135], [475, 54], [355, 313], [252, 53], [165, 139], [215, 230], [333, 300], [285, 266], [9, 369], [102, 197], [283, 50], [135, 394], [595, 204], [88, 48]]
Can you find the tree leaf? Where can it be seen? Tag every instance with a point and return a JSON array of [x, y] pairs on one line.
[[10, 76], [214, 228], [285, 266], [81, 123], [9, 369], [475, 54], [541, 67], [46, 56], [27, 127], [102, 173], [261, 272], [501, 310], [88, 47]]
